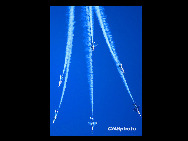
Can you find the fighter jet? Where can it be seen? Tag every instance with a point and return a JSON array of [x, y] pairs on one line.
[[136, 108], [92, 123], [93, 46], [60, 81], [55, 115], [121, 68]]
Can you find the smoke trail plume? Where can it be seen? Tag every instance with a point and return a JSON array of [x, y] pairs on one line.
[[68, 53], [89, 23], [69, 38], [108, 37]]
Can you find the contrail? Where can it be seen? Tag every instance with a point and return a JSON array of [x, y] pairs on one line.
[[108, 37], [68, 53], [89, 23], [70, 38]]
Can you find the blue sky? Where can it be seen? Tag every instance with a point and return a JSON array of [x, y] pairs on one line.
[[112, 103]]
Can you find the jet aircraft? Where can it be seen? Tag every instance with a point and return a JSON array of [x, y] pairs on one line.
[[55, 115], [93, 46], [136, 108], [92, 123], [60, 81], [121, 68]]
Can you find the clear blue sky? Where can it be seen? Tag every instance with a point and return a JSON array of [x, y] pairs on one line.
[[112, 103]]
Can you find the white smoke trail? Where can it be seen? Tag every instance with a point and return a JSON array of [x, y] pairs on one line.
[[68, 53], [89, 23], [108, 37], [70, 38]]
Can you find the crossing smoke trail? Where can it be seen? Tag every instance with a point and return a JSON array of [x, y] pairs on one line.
[[68, 53], [108, 37], [89, 23]]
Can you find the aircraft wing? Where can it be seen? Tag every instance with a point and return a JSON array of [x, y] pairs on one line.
[[94, 123], [89, 123]]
